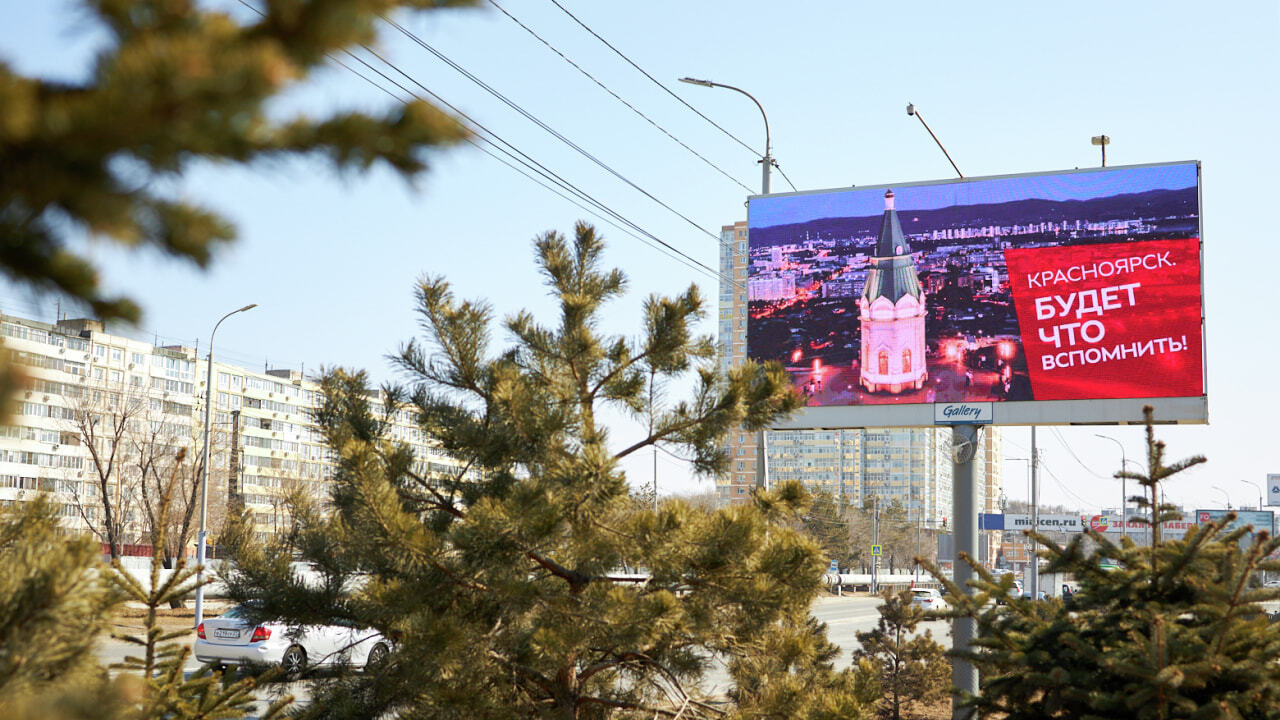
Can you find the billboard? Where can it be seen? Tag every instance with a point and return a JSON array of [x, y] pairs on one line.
[[1069, 297], [1258, 519], [1109, 523]]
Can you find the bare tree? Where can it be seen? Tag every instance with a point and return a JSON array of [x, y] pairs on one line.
[[135, 439], [100, 418], [158, 445]]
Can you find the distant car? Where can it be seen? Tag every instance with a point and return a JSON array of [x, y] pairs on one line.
[[1271, 584], [231, 639], [1041, 595], [1014, 591], [929, 599]]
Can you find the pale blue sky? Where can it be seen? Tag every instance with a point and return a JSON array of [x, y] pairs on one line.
[[1009, 88]]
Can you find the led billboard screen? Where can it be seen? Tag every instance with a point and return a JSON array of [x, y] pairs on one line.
[[1070, 297]]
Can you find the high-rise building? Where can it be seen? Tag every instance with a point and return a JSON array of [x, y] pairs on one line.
[[104, 414], [910, 465], [745, 466]]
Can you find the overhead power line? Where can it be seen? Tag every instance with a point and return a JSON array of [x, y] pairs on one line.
[[665, 89], [784, 176], [1063, 487], [1058, 434], [541, 170], [537, 121], [497, 143], [617, 97]]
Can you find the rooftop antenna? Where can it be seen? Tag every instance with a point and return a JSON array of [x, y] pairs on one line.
[[911, 110]]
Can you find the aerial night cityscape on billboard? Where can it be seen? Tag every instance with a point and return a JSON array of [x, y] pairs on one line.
[[1068, 286]]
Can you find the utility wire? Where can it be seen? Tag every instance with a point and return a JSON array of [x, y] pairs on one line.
[[1058, 434], [540, 169], [1063, 487], [482, 132], [655, 82], [674, 254], [652, 79], [784, 176], [535, 120], [619, 98]]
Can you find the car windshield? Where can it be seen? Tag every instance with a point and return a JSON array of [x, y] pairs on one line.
[[238, 612], [923, 593]]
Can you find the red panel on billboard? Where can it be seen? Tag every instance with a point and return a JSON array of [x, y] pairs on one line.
[[1117, 320]]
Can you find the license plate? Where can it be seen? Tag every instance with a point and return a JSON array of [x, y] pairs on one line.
[[226, 633]]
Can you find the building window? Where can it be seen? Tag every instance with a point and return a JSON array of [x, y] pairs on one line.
[[884, 362], [906, 360]]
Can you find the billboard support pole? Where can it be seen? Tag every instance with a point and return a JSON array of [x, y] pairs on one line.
[[875, 540], [1035, 515], [964, 501]]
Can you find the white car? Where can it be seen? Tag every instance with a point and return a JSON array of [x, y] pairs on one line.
[[230, 639], [929, 599]]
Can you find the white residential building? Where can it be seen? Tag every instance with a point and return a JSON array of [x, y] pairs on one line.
[[263, 440]]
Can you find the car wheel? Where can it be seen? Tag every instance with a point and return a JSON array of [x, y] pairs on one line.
[[377, 656], [294, 662]]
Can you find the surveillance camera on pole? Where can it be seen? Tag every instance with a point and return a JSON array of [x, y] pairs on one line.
[[911, 110]]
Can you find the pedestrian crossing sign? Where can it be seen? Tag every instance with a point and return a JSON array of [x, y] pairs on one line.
[[877, 550]]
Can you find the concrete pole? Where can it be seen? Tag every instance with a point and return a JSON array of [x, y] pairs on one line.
[[964, 506], [202, 536], [1035, 514], [875, 540]]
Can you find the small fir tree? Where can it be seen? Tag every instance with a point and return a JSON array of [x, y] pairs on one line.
[[502, 584], [913, 667], [56, 600], [54, 607], [167, 691], [1175, 631]]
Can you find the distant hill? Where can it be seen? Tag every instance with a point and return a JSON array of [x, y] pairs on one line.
[[1152, 203]]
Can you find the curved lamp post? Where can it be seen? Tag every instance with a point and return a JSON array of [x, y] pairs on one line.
[[767, 160], [1124, 496], [204, 470], [1225, 494]]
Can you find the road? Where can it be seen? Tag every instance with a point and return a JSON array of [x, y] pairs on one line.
[[845, 617]]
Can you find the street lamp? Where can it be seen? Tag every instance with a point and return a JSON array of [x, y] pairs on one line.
[[1225, 494], [1257, 487], [767, 160], [1101, 141], [204, 470], [911, 110], [1124, 495]]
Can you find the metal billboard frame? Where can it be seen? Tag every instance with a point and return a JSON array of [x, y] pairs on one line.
[[1112, 411]]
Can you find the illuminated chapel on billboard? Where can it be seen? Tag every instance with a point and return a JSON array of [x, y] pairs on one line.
[[891, 313]]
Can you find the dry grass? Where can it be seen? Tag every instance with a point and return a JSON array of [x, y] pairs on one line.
[[131, 616]]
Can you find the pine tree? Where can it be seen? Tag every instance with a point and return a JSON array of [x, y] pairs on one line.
[[56, 599], [178, 84], [913, 668], [1176, 631], [828, 523], [502, 584], [54, 606]]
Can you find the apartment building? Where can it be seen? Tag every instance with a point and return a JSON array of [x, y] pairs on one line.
[[101, 411]]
